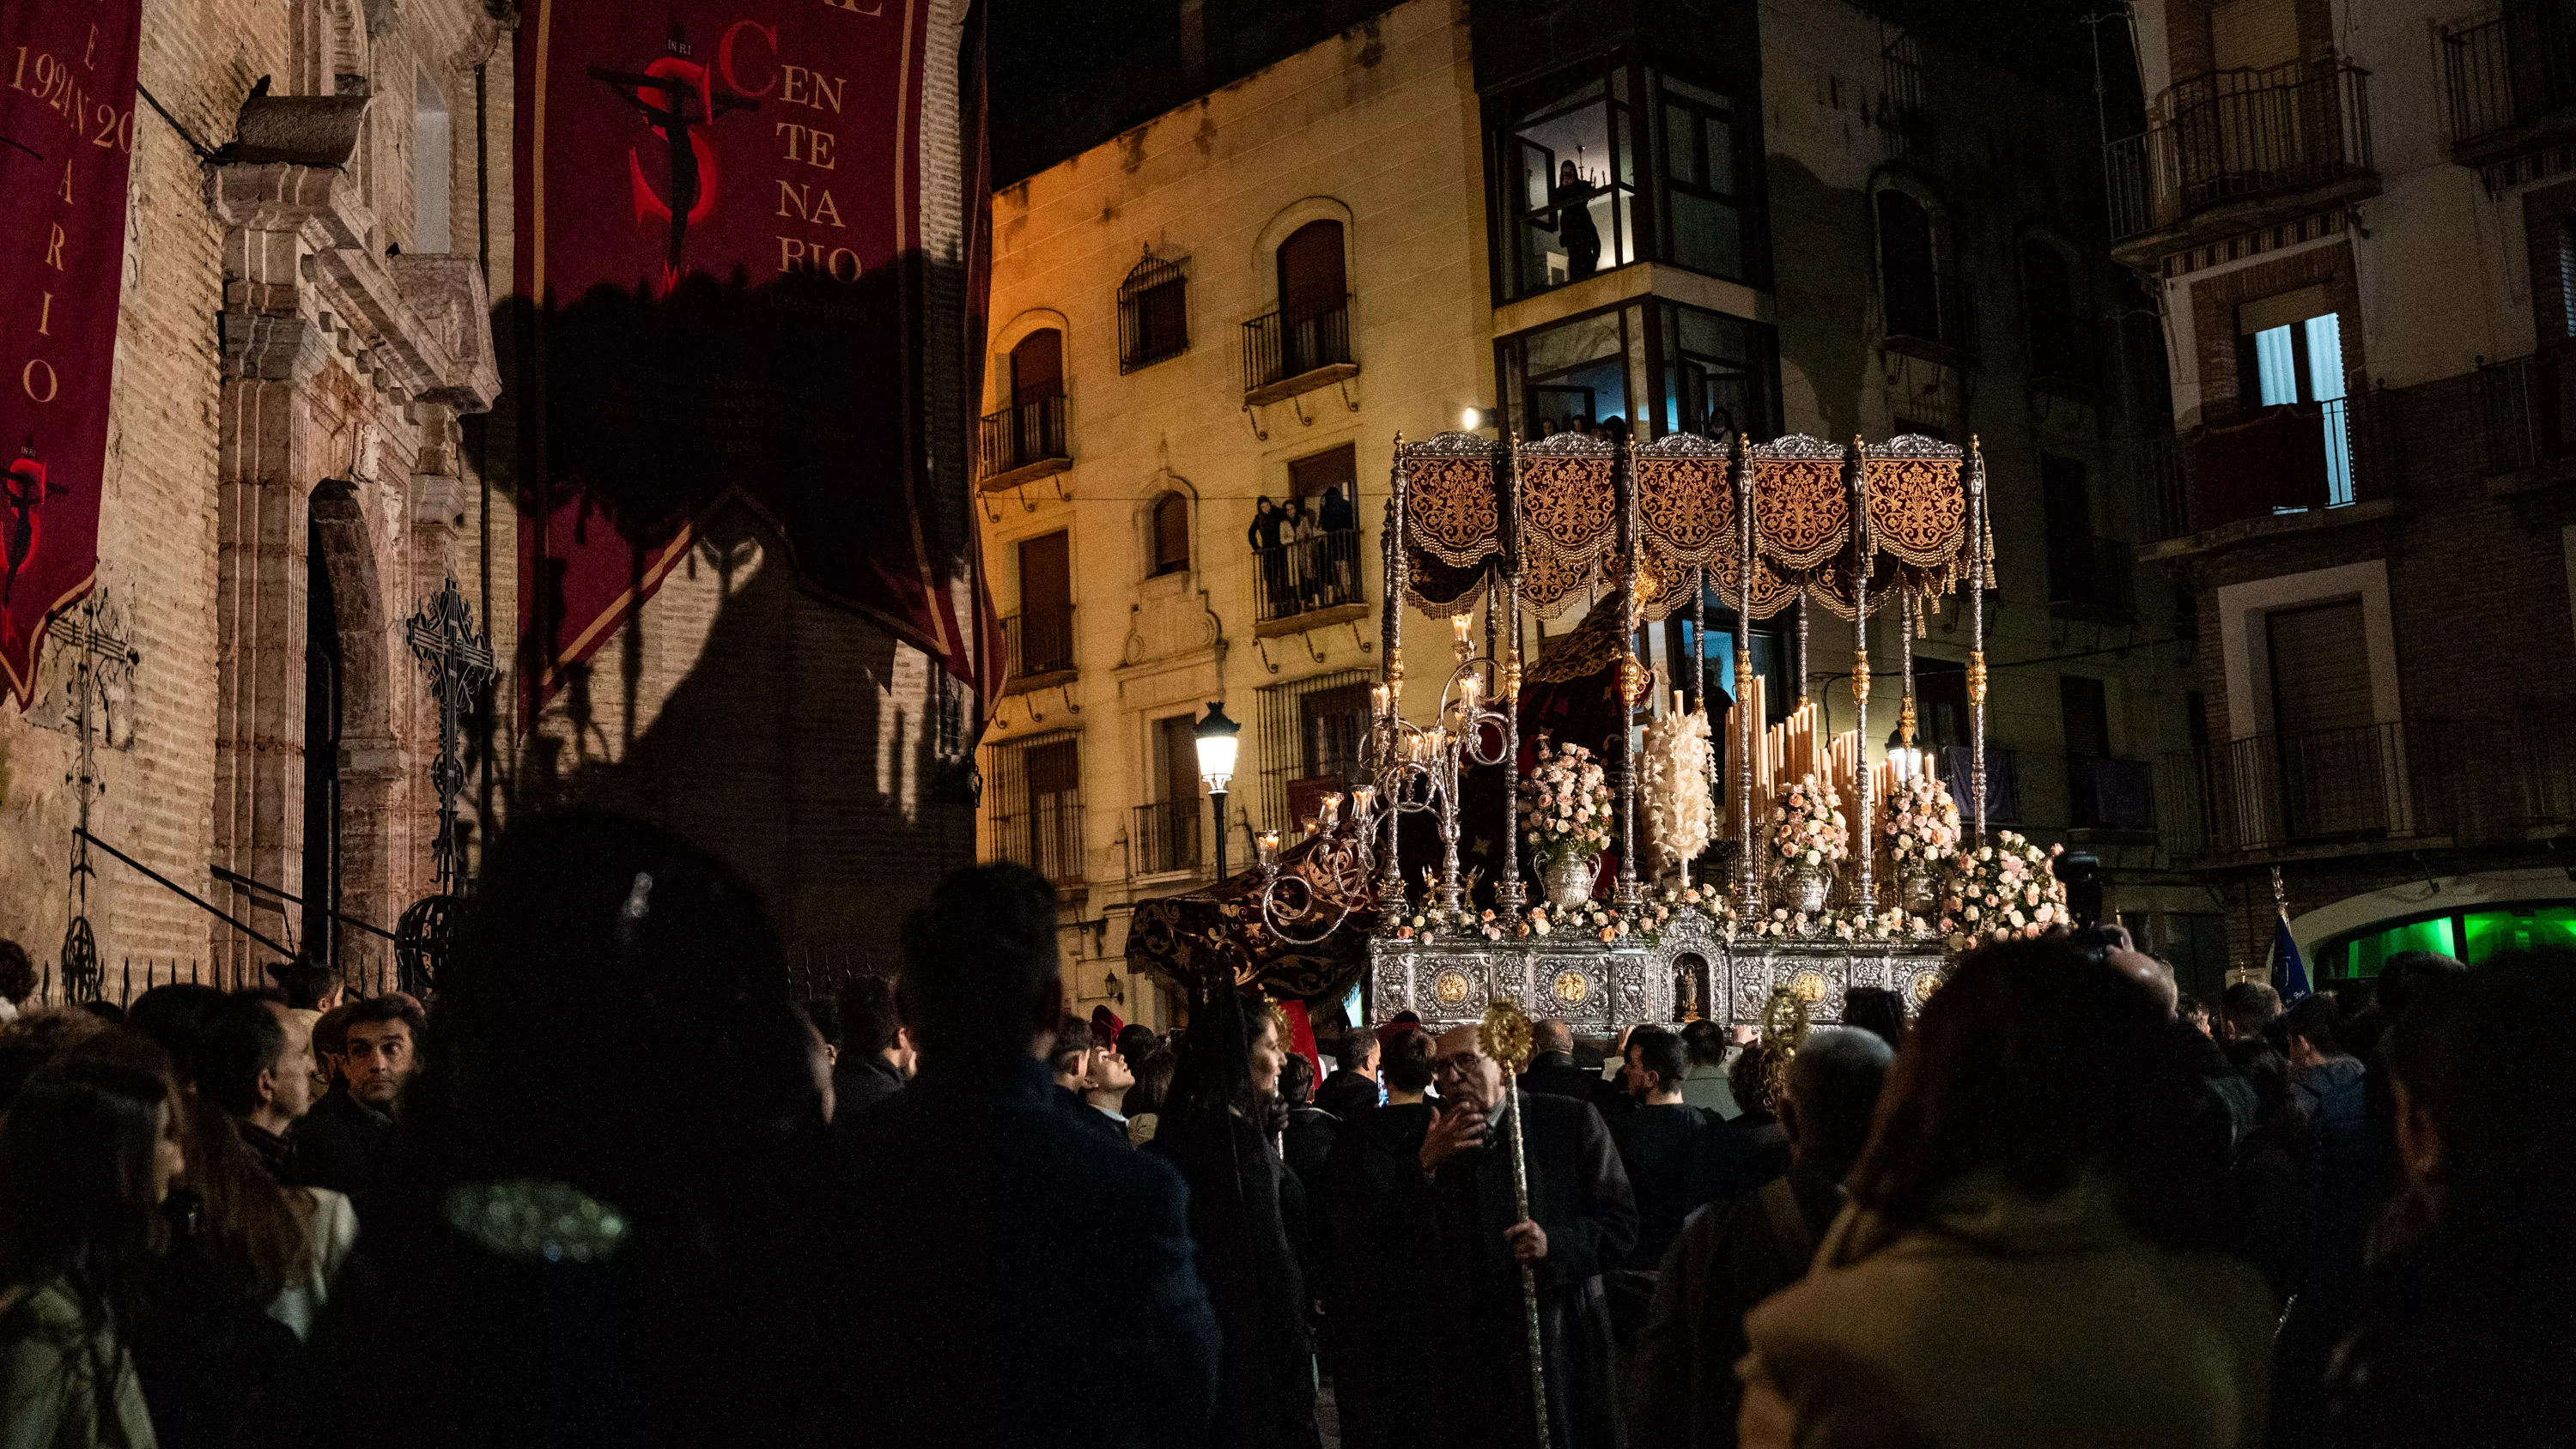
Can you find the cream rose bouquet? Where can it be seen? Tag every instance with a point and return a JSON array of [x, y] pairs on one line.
[[1922, 824], [1807, 828], [1565, 806], [2002, 891]]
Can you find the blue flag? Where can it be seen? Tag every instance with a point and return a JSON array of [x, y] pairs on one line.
[[2289, 973]]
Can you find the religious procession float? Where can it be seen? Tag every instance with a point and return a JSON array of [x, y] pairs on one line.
[[1529, 844]]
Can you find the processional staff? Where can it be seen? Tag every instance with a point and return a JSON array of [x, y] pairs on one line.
[[1504, 1036]]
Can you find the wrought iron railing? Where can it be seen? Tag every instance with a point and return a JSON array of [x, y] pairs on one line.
[[1038, 642], [1278, 347], [2270, 792], [2511, 70], [2238, 135], [1944, 311], [2097, 575], [1045, 834], [1319, 572], [1021, 434], [2545, 742], [2524, 420], [1166, 836]]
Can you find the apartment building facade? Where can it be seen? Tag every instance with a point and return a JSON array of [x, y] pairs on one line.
[[2361, 220], [1209, 328]]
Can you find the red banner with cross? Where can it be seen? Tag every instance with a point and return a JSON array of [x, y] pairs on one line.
[[66, 141], [722, 295]]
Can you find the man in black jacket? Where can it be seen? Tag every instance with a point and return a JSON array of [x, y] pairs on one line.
[[1682, 1391], [1352, 1087], [974, 1188], [1552, 1070], [341, 1143], [1581, 1222], [875, 1057]]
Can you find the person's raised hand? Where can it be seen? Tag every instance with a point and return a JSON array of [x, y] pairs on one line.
[[1528, 1241], [1452, 1132]]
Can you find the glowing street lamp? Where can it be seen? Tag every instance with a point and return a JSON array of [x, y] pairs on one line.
[[1217, 739]]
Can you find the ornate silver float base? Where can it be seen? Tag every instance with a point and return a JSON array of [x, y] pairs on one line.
[[1599, 988]]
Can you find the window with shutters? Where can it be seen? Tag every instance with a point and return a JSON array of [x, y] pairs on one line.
[[2335, 768], [1028, 432], [1153, 313], [1171, 534], [1039, 820]]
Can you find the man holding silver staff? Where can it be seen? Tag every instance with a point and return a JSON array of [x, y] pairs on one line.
[[1580, 1221]]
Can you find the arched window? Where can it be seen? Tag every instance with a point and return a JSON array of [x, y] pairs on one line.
[[1313, 327], [1031, 429], [1905, 270], [1171, 535]]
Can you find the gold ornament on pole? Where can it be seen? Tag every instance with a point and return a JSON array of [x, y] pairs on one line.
[[1784, 1030], [1504, 1035]]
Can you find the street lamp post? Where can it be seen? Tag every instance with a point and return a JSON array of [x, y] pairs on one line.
[[1217, 739]]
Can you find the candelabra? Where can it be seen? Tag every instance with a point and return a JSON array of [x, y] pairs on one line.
[[1420, 766]]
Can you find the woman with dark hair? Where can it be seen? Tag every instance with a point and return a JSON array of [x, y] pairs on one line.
[[1876, 1009], [604, 1221], [1217, 1129], [87, 1153], [2468, 1336], [2021, 1263]]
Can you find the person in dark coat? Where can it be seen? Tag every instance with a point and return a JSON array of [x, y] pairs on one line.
[[608, 1216], [1377, 1281], [1243, 1205], [1552, 1070], [1581, 1221], [341, 1143], [971, 1192], [2468, 1330], [1351, 1088], [1681, 1388], [1266, 538], [874, 1056]]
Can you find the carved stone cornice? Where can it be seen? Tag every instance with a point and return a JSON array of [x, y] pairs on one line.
[[417, 327], [272, 348]]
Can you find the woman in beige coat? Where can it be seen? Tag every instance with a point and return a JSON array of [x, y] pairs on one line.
[[2028, 1257]]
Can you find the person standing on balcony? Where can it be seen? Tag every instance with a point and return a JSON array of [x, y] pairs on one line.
[[1340, 519], [1264, 535], [1300, 534], [1571, 198]]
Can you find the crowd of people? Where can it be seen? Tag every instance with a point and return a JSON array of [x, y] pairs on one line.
[[611, 1185]]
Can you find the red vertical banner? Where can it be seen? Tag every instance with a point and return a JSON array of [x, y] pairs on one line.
[[721, 251], [66, 140]]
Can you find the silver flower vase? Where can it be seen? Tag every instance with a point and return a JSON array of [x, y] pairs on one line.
[[1569, 880], [1805, 888], [1916, 890]]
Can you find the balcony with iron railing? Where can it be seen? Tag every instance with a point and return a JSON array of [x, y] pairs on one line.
[[1037, 649], [2094, 579], [1043, 833], [1931, 314], [2314, 791], [2511, 81], [2298, 460], [1165, 837], [1310, 582], [1284, 355], [2525, 424], [2234, 151], [1021, 443]]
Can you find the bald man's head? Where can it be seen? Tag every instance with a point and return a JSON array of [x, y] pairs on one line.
[[2150, 973], [1551, 1036]]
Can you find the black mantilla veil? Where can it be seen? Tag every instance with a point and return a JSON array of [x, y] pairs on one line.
[[607, 1216], [1215, 1130]]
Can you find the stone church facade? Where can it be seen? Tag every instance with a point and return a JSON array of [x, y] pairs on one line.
[[310, 434]]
